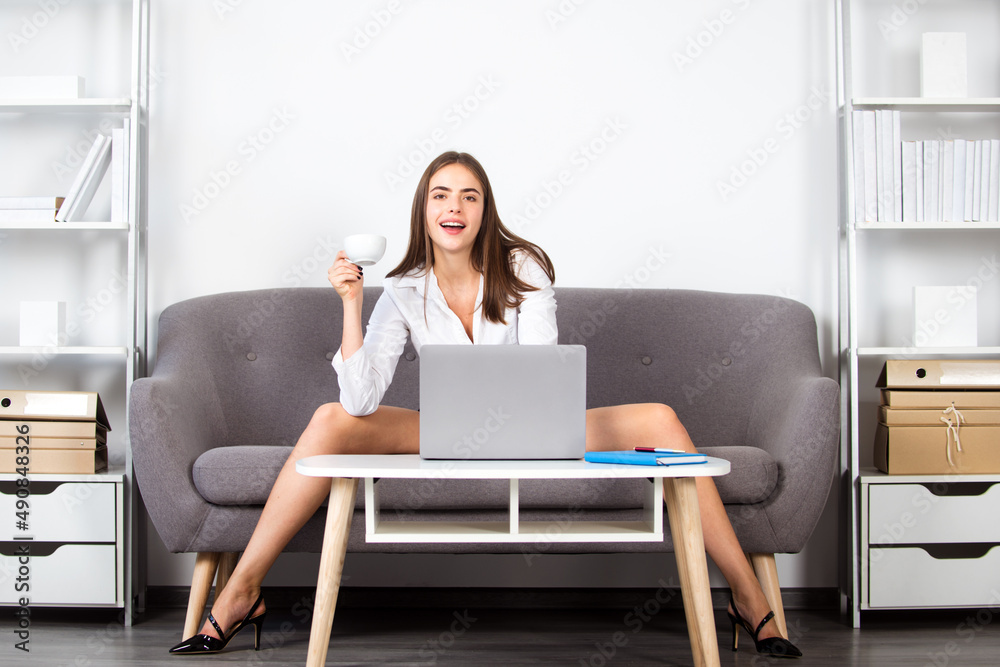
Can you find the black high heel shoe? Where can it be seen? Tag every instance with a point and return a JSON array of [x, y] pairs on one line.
[[206, 644], [777, 647]]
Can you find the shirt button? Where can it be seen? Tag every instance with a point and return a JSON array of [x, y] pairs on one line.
[[251, 356], [646, 361]]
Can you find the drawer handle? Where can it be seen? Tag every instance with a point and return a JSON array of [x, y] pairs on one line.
[[9, 488], [946, 489], [37, 549], [956, 551]]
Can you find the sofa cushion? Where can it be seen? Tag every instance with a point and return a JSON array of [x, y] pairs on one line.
[[244, 475]]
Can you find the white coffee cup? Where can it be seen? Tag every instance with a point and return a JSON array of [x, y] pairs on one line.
[[364, 249]]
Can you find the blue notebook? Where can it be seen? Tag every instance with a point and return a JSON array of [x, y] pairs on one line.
[[632, 457]]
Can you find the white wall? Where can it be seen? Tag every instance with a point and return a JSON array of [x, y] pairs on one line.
[[271, 140]]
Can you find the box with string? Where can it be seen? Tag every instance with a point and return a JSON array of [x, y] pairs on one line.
[[939, 417]]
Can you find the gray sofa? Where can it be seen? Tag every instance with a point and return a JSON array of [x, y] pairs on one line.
[[238, 376]]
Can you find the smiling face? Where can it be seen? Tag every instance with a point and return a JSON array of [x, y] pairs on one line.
[[454, 210]]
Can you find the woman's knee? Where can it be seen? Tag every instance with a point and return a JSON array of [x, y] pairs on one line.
[[328, 415], [663, 415], [328, 424], [666, 420]]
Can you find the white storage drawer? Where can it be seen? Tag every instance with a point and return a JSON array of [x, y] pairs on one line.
[[64, 512], [74, 574], [912, 514], [912, 577]]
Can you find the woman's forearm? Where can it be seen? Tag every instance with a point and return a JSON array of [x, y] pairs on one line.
[[352, 337]]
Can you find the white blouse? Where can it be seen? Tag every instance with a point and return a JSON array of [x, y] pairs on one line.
[[399, 312]]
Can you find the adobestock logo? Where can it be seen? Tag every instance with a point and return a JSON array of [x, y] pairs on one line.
[[32, 25], [249, 149], [552, 189], [712, 30], [413, 162], [473, 442], [757, 157], [371, 30]]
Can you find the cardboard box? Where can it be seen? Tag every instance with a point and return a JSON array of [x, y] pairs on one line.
[[924, 450], [43, 323], [940, 374], [939, 399], [905, 417], [28, 406], [34, 442], [945, 316], [61, 461], [943, 65]]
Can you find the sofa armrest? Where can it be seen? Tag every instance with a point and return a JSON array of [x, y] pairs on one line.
[[172, 421], [797, 421]]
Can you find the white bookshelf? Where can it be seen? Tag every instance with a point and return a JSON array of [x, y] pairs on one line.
[[130, 346], [859, 283]]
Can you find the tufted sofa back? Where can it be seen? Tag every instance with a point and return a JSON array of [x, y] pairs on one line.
[[708, 355]]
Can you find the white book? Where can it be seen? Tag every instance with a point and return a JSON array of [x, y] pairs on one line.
[[30, 202], [117, 174], [871, 167], [984, 185], [41, 87], [947, 179], [880, 157], [90, 175], [127, 171], [858, 156], [897, 168], [977, 180], [919, 163], [909, 181], [932, 180], [958, 189], [970, 175], [994, 212], [23, 215]]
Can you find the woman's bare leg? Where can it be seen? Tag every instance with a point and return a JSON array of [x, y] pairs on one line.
[[295, 498], [655, 425]]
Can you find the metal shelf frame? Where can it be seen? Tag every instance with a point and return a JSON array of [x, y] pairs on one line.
[[136, 108], [852, 468]]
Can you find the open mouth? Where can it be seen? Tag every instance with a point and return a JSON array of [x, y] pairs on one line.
[[452, 225]]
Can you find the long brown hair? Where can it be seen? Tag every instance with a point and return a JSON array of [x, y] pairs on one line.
[[492, 251]]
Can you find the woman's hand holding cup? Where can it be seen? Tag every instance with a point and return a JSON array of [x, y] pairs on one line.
[[346, 277]]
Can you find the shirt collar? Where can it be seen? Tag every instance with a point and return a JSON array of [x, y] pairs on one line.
[[415, 279], [421, 282]]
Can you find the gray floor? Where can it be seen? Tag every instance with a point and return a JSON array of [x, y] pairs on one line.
[[480, 636]]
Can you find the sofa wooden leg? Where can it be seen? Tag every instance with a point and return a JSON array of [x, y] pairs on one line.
[[227, 563], [767, 574], [205, 566]]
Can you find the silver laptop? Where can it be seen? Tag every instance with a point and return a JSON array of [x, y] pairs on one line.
[[503, 401]]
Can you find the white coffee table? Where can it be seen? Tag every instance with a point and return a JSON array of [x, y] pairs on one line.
[[678, 489]]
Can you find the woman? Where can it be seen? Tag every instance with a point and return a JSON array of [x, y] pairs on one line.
[[465, 278]]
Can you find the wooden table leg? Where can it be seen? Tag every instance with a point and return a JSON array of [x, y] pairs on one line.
[[339, 512], [689, 546], [205, 565]]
